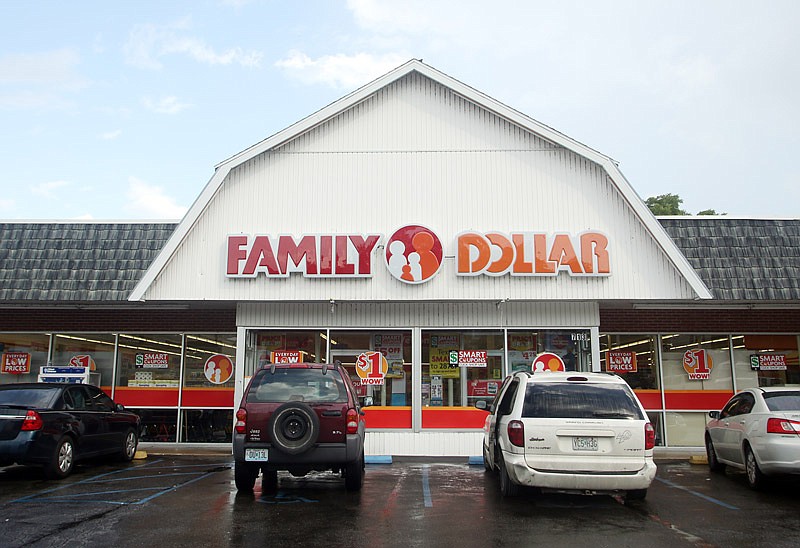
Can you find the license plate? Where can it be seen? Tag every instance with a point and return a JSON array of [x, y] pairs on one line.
[[584, 444], [256, 454]]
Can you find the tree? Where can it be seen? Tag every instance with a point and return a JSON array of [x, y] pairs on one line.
[[670, 204], [666, 204]]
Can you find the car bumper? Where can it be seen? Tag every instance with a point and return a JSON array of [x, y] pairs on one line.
[[521, 473], [23, 449], [330, 453], [779, 456]]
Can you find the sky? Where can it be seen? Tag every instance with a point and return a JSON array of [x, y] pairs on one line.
[[121, 110]]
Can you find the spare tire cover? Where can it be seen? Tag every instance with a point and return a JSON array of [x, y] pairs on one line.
[[294, 428]]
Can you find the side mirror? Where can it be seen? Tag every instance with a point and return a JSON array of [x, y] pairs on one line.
[[368, 401], [713, 414], [119, 407], [481, 404]]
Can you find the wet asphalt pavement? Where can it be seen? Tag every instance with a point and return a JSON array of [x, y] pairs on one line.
[[167, 501]]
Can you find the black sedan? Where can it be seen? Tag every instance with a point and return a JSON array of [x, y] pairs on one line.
[[56, 425]]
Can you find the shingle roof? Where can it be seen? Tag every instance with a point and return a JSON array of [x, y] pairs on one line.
[[738, 259], [741, 259], [76, 262]]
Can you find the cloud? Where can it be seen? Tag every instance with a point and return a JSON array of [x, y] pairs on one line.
[[48, 190], [339, 71], [149, 201], [111, 135], [165, 105], [147, 44], [47, 68]]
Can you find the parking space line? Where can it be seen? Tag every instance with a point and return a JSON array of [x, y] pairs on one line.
[[106, 478], [426, 488], [695, 493]]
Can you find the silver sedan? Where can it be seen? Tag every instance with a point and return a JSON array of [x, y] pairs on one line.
[[757, 431]]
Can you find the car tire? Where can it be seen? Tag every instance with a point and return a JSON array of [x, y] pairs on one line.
[[486, 465], [507, 487], [129, 445], [755, 477], [269, 480], [62, 461], [294, 428], [635, 494], [354, 475], [713, 462], [244, 475]]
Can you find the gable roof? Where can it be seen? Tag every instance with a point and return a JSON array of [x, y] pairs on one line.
[[76, 262], [741, 259], [349, 101]]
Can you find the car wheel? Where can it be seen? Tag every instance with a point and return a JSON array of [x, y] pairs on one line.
[[354, 475], [635, 494], [294, 428], [129, 446], [755, 477], [486, 465], [269, 480], [63, 460], [244, 475], [507, 487], [713, 463]]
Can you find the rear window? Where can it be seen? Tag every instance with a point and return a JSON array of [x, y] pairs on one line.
[[297, 385], [580, 401], [39, 398], [783, 401]]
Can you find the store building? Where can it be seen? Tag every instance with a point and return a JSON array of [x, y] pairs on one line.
[[428, 233]]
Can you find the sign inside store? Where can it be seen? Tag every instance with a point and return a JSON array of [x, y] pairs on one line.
[[547, 361], [16, 363], [620, 362], [469, 358], [371, 368], [476, 253], [152, 360], [698, 364], [286, 356], [768, 362]]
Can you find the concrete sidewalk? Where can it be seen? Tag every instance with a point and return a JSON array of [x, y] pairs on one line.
[[696, 455]]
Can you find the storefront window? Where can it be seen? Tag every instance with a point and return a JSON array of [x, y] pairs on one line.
[[633, 357], [209, 364], [21, 356], [765, 360], [573, 347], [696, 363], [299, 346], [158, 424], [685, 429], [207, 426], [93, 350], [148, 370], [395, 346]]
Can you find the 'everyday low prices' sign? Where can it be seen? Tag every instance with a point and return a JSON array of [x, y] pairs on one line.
[[16, 363]]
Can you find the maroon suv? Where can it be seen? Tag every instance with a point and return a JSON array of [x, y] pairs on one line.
[[299, 417]]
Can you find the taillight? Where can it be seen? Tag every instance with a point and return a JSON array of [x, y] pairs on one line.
[[783, 426], [32, 421], [516, 433], [241, 421], [352, 421], [649, 436]]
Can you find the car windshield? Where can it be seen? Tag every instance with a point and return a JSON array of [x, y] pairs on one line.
[[783, 401], [583, 401], [295, 384], [39, 398]]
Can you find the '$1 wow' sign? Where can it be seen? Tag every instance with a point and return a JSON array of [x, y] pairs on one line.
[[371, 367]]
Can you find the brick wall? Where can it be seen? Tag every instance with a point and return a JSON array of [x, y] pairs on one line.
[[780, 320]]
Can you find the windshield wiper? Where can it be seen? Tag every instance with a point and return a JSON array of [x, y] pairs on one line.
[[613, 415]]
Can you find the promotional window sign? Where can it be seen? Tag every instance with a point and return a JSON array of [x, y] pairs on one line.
[[698, 364], [152, 360], [547, 361], [16, 363], [83, 361], [371, 368], [482, 388], [218, 369], [286, 356], [620, 361], [441, 366], [391, 346], [437, 391], [768, 362], [521, 342], [469, 358]]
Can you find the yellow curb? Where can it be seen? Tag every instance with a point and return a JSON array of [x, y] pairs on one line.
[[140, 455], [698, 459]]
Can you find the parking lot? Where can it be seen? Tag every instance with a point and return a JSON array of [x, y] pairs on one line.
[[191, 501]]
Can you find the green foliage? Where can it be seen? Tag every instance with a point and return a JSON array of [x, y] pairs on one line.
[[670, 204]]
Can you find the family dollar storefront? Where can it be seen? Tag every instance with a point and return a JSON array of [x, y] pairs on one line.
[[431, 239]]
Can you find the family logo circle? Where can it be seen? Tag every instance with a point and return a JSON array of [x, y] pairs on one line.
[[414, 254], [218, 369]]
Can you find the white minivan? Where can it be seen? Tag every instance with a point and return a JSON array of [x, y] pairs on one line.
[[569, 432]]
